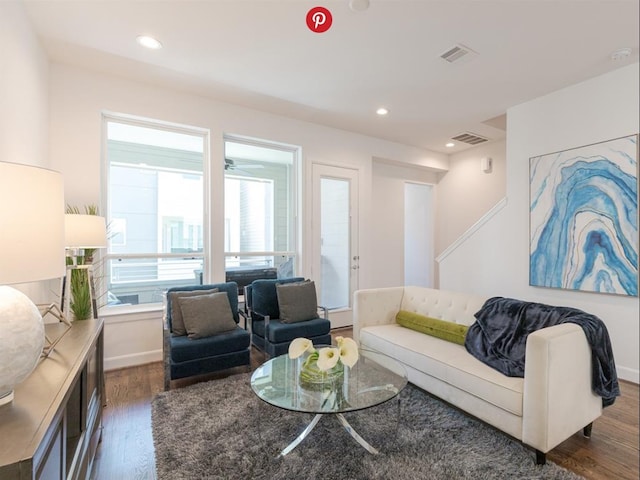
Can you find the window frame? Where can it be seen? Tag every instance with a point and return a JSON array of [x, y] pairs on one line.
[[105, 256], [293, 192]]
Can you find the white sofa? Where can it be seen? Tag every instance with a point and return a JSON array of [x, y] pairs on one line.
[[552, 402]]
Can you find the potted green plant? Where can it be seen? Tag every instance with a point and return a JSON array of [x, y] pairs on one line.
[[81, 298]]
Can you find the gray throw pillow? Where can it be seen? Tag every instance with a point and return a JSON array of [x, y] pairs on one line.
[[297, 301], [177, 324], [207, 315]]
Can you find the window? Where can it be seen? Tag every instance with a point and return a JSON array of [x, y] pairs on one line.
[[155, 209], [259, 209]]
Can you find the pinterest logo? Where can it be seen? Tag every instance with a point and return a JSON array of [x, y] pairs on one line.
[[319, 19]]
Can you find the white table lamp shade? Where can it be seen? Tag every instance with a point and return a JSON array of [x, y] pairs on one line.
[[31, 249], [31, 218], [84, 231]]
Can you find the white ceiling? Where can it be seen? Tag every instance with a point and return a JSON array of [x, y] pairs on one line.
[[261, 54]]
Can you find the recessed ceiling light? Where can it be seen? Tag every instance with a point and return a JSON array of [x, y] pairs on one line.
[[382, 111], [450, 144], [358, 5], [149, 42]]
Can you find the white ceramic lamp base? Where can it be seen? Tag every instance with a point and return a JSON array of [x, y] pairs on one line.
[[21, 340], [7, 398]]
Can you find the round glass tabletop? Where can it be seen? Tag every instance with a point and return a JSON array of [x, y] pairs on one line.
[[374, 379]]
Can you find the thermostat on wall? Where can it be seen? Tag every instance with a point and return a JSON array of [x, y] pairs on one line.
[[486, 163]]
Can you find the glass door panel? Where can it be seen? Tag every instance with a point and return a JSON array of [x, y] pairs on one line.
[[334, 243], [335, 255]]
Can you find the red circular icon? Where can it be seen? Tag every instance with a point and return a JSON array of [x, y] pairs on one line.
[[319, 19]]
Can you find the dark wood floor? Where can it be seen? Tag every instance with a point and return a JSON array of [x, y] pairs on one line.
[[127, 453]]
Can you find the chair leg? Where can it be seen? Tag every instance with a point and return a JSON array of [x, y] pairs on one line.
[[541, 458], [167, 376], [586, 431], [166, 358]]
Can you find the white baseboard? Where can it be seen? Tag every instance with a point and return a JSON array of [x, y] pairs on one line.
[[628, 374], [122, 361]]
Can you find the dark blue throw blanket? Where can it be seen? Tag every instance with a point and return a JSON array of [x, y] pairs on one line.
[[498, 338]]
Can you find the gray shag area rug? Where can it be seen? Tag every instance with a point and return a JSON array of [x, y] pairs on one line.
[[221, 430]]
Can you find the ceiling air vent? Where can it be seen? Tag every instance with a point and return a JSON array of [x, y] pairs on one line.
[[456, 53], [470, 138]]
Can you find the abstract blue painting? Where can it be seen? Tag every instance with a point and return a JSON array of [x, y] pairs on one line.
[[584, 218]]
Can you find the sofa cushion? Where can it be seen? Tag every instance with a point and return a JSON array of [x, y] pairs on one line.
[[285, 332], [206, 315], [297, 301], [449, 331], [448, 362], [442, 304], [177, 322], [184, 349]]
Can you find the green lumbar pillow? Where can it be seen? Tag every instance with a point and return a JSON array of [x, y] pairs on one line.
[[449, 331]]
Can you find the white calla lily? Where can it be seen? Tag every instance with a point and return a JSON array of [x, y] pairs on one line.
[[348, 350], [328, 358], [299, 346]]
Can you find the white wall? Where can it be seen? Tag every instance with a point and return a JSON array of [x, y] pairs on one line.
[[495, 260], [24, 107], [133, 339], [24, 90], [465, 193], [79, 96]]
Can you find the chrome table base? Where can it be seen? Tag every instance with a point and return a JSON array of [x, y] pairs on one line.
[[356, 436]]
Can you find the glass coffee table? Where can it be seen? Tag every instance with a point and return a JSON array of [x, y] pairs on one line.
[[373, 380]]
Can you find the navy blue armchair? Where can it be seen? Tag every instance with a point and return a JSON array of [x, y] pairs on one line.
[[185, 356], [269, 332]]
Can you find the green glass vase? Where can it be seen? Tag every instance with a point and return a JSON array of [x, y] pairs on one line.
[[311, 377]]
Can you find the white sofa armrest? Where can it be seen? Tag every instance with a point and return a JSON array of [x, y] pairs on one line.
[[558, 399], [376, 306]]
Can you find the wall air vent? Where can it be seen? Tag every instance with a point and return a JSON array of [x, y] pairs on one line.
[[470, 138], [456, 53]]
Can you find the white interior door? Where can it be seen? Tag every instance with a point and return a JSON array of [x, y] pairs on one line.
[[335, 246], [418, 234]]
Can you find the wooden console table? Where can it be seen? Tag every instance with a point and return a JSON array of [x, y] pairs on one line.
[[52, 428]]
